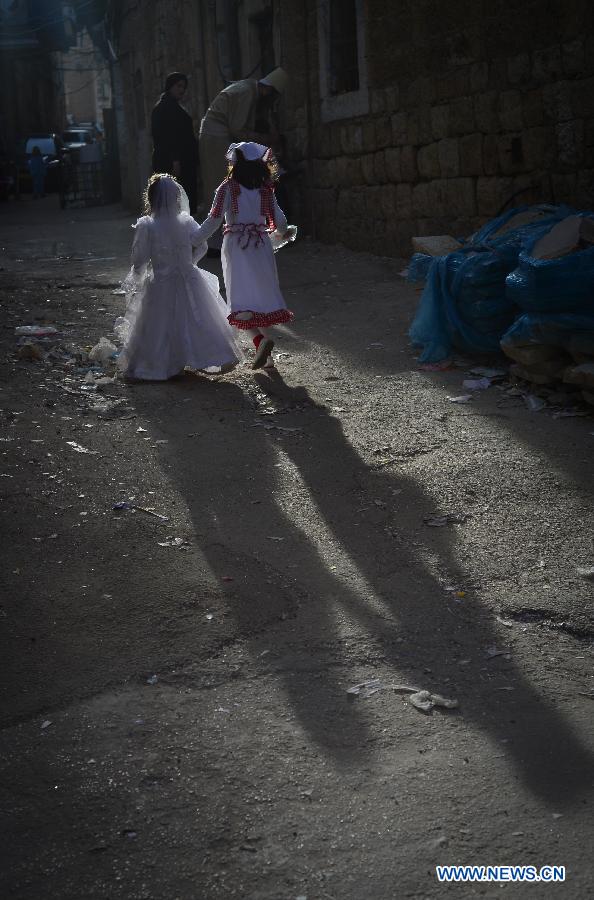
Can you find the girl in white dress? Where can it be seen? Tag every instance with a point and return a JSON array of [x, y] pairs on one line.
[[254, 224], [175, 316]]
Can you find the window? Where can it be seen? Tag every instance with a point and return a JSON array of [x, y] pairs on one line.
[[344, 61], [343, 67]]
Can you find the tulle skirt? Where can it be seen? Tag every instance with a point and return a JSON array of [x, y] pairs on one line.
[[174, 321]]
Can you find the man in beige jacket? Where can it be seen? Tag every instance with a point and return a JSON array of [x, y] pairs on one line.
[[231, 117]]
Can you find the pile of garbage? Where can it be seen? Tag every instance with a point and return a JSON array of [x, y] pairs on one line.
[[523, 284], [92, 368], [553, 286]]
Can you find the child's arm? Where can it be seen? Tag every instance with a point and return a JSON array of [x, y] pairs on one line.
[[215, 217], [206, 229], [280, 219], [140, 246]]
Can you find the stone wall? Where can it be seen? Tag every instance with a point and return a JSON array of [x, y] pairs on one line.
[[469, 105], [153, 42]]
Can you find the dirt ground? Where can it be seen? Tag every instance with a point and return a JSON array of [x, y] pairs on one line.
[[175, 721]]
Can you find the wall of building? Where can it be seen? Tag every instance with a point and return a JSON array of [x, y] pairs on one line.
[[465, 105], [87, 83], [212, 42]]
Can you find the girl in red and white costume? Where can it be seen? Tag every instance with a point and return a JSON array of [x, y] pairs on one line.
[[254, 224]]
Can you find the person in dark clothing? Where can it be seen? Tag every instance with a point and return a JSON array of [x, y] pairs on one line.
[[175, 146]]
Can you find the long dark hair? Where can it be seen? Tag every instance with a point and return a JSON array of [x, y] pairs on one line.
[[253, 173]]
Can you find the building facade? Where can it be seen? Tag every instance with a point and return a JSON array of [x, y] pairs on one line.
[[401, 118]]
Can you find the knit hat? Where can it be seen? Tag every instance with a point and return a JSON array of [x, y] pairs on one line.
[[276, 79]]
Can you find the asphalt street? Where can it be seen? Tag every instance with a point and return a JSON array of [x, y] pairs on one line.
[[217, 705]]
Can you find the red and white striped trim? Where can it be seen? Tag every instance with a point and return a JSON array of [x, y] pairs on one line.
[[260, 320], [266, 201]]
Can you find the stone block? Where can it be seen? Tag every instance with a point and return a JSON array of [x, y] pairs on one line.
[[462, 118], [449, 157], [420, 91], [510, 110], [573, 57], [479, 77], [427, 227], [379, 165], [564, 187], [557, 101], [392, 98], [354, 170], [300, 117], [498, 75], [392, 164], [428, 161], [582, 97], [459, 197], [368, 168], [341, 171], [299, 142], [377, 100], [408, 164], [486, 112], [403, 207], [383, 133], [546, 64], [532, 108], [532, 188], [427, 199], [452, 84], [412, 128], [357, 203], [539, 147], [510, 148], [399, 129], [491, 194], [373, 203], [440, 119], [570, 143], [325, 204], [368, 136], [519, 69], [335, 138], [344, 204], [324, 173], [351, 139], [491, 154], [584, 188], [471, 154], [322, 141], [388, 201]]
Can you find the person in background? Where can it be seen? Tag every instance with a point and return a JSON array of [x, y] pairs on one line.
[[37, 168], [175, 147], [236, 114]]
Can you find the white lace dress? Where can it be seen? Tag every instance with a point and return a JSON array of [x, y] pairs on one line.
[[247, 256], [175, 316]]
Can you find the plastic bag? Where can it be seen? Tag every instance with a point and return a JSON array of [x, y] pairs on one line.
[[418, 267], [103, 351], [536, 338], [564, 284], [464, 304]]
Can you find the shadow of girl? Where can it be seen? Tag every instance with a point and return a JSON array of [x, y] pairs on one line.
[[437, 634]]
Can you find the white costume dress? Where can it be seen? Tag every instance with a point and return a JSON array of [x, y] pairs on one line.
[[175, 316], [249, 267]]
